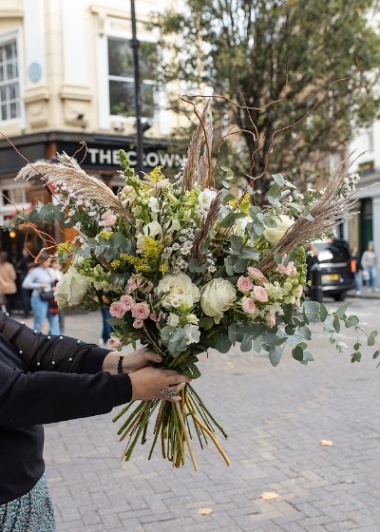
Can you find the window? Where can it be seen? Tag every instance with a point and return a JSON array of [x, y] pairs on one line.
[[9, 81], [121, 77]]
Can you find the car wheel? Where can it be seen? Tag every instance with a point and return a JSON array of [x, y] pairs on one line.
[[340, 297]]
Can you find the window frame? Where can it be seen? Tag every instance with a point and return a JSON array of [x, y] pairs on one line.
[[6, 38]]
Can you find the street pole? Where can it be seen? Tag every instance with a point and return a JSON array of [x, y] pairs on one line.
[[139, 132]]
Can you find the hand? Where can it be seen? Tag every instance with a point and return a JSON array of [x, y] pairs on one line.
[[148, 382], [139, 359]]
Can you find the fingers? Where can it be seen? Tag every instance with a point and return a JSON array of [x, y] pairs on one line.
[[152, 383], [171, 393], [149, 356], [174, 378]]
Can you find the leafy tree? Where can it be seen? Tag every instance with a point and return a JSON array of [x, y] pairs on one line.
[[279, 57]]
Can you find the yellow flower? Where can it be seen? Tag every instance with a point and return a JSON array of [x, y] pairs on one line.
[[156, 174], [115, 264], [139, 264], [163, 268], [64, 247], [105, 234], [151, 249]]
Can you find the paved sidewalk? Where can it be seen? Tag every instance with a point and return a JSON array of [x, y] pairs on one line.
[[276, 419]]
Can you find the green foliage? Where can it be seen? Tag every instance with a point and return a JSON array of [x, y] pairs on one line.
[[279, 58]]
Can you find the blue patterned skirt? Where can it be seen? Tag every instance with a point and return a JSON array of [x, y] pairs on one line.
[[33, 512]]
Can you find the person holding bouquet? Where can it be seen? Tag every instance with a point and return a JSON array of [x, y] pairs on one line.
[[47, 379]]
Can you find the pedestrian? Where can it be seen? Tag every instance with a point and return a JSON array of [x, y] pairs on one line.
[[53, 307], [311, 259], [369, 265], [23, 265], [106, 328], [355, 267], [47, 379], [42, 279], [8, 278]]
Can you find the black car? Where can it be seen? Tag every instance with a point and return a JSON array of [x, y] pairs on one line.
[[334, 261]]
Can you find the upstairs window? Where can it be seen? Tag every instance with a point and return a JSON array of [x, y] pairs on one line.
[[121, 77], [9, 81]]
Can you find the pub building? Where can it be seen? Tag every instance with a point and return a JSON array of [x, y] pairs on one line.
[[101, 161]]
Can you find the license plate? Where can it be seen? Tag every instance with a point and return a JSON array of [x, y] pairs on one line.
[[330, 277]]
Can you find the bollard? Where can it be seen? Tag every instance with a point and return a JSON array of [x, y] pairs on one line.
[[316, 293]]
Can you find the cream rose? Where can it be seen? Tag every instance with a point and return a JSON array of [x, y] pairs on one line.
[[205, 198], [274, 234], [181, 291], [217, 296], [71, 289]]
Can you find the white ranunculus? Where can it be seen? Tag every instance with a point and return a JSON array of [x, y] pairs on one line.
[[173, 319], [180, 291], [205, 198], [217, 296], [274, 234], [71, 289]]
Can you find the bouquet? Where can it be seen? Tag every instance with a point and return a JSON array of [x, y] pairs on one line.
[[184, 267]]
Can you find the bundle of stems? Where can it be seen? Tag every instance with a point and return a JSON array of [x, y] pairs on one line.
[[172, 427]]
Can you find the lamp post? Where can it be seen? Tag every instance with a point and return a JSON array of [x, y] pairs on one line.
[[135, 49]]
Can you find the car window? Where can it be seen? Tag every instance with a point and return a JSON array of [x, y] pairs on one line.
[[332, 252]]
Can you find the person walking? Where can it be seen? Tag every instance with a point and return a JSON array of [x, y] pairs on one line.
[[8, 278], [23, 265], [48, 379], [369, 265], [42, 279], [355, 269]]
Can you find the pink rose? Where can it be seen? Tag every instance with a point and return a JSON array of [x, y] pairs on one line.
[[260, 294], [141, 311], [270, 319], [133, 284], [127, 302], [117, 310], [244, 284], [138, 324], [290, 269], [257, 275], [109, 218], [248, 305], [113, 342]]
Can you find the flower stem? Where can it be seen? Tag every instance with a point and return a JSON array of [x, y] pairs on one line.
[[179, 413]]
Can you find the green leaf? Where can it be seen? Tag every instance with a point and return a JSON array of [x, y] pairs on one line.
[[376, 354], [352, 321], [277, 178], [307, 357], [223, 344], [206, 323], [275, 354], [246, 344], [297, 353], [323, 312], [342, 310]]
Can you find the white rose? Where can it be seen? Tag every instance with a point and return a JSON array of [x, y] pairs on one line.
[[181, 291], [71, 288], [205, 198], [217, 296], [274, 234]]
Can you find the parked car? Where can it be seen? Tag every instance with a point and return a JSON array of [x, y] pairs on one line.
[[334, 261]]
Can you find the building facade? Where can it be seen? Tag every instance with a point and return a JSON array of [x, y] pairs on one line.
[[67, 77]]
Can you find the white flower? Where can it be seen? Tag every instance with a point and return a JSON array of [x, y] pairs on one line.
[[205, 198], [152, 229], [274, 234], [217, 296], [154, 204], [192, 318], [71, 288], [173, 319], [193, 334], [240, 225], [179, 288]]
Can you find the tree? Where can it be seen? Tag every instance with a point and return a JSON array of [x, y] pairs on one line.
[[279, 57]]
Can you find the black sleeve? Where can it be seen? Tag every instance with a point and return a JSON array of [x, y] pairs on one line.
[[48, 397], [51, 353]]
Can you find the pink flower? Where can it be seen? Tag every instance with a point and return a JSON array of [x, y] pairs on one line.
[[257, 275], [270, 319], [141, 311], [156, 316], [290, 269], [117, 310], [248, 305], [298, 291], [133, 284], [244, 284], [260, 294], [127, 302], [113, 342], [149, 287], [109, 218], [138, 324]]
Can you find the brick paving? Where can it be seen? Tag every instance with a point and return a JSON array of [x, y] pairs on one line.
[[275, 417]]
